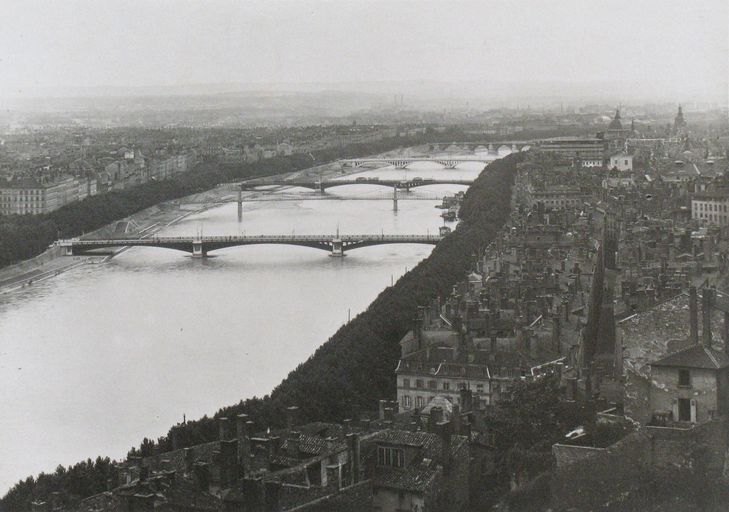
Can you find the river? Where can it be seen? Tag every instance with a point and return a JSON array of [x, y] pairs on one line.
[[99, 357]]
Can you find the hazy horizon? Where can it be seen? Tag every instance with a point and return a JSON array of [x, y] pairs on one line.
[[666, 50]]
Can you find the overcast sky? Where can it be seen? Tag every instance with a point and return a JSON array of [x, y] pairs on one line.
[[678, 44]]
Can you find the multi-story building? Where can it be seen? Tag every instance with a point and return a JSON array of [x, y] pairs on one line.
[[621, 161], [587, 149], [30, 196], [711, 208]]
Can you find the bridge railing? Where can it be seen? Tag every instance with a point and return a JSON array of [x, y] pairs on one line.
[[246, 238]]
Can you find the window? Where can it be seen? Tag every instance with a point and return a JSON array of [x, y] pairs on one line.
[[432, 384], [446, 386], [406, 383], [419, 402], [387, 456], [407, 402], [684, 378], [419, 383]]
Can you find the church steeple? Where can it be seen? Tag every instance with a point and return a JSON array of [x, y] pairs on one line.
[[679, 123]]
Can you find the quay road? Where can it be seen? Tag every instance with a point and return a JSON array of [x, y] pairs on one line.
[[199, 246]]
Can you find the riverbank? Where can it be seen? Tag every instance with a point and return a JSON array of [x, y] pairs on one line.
[[149, 221]]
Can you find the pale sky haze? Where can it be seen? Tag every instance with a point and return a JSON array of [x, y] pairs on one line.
[[647, 44]]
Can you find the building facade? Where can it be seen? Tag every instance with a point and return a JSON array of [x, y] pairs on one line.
[[711, 208]]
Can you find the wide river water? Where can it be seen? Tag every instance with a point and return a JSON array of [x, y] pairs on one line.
[[99, 357]]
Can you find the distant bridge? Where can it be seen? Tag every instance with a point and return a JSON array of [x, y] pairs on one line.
[[403, 162], [491, 148], [336, 244], [323, 185]]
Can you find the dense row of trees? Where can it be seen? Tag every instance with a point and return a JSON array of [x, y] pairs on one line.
[[354, 368]]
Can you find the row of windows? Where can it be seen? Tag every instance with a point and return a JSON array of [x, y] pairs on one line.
[[711, 207], [420, 384], [392, 457], [712, 217]]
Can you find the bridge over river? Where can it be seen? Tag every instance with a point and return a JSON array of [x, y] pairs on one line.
[[200, 246], [405, 184]]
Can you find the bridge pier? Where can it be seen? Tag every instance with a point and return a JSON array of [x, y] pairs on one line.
[[394, 199], [337, 248], [198, 249], [240, 205]]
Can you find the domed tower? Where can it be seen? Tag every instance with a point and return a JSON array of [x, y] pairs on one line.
[[615, 124]]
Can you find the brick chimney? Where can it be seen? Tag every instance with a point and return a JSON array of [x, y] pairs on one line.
[[707, 298], [466, 397], [223, 428], [436, 416], [292, 416], [456, 419], [292, 444], [417, 333], [693, 317], [383, 404], [444, 431], [189, 461], [354, 454]]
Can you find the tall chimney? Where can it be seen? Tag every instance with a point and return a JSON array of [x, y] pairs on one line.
[[444, 430], [383, 404], [354, 453], [707, 295], [466, 399], [436, 416], [223, 428], [456, 419], [417, 334], [693, 316], [291, 416], [726, 332]]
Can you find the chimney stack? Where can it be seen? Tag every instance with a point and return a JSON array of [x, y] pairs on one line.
[[223, 428], [354, 453], [417, 334], [444, 431], [707, 296], [383, 404], [693, 316], [292, 414], [292, 444], [466, 399], [436, 416], [456, 419]]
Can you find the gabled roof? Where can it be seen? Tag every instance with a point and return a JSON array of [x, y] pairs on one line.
[[696, 356]]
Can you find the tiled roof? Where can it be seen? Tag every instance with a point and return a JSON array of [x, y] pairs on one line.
[[313, 445], [696, 356], [430, 442], [413, 479]]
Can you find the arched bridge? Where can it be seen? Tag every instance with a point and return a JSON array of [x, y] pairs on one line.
[[403, 162], [200, 246], [323, 185]]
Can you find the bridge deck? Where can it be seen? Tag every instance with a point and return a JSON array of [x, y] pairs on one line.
[[337, 244]]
